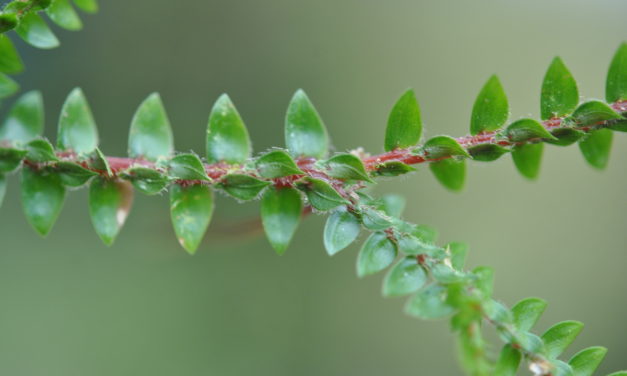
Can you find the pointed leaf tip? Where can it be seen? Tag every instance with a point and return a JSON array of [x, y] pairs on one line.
[[25, 120], [596, 147], [404, 126], [43, 195], [77, 128], [340, 230], [150, 136], [227, 137], [280, 215], [305, 133], [191, 208], [109, 204], [559, 96], [377, 253], [491, 108], [616, 83]]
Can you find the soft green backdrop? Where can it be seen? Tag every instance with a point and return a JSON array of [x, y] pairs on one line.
[[71, 306]]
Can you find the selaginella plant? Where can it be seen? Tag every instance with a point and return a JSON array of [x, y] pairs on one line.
[[302, 178]]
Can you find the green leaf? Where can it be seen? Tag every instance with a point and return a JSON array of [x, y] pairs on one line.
[[558, 337], [596, 147], [321, 195], [404, 125], [562, 369], [10, 60], [619, 373], [146, 180], [412, 245], [276, 164], [63, 14], [530, 342], [340, 231], [77, 128], [187, 167], [392, 168], [347, 167], [374, 219], [73, 174], [40, 151], [425, 233], [8, 21], [450, 173], [559, 95], [89, 6], [405, 277], [487, 152], [393, 204], [8, 87], [227, 137], [42, 198], [191, 208], [527, 158], [586, 361], [34, 31], [150, 136], [565, 136], [377, 253], [109, 204], [491, 109], [430, 303], [305, 134], [485, 280], [593, 113], [280, 214], [3, 188], [26, 118], [443, 146], [527, 312], [508, 362], [99, 162], [458, 253], [242, 187], [616, 84], [527, 129], [10, 159]]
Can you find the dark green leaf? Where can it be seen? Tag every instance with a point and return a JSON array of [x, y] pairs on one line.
[[487, 152], [191, 208], [527, 158], [393, 204], [404, 278], [377, 253], [89, 6], [526, 129], [565, 136], [72, 174], [42, 198], [593, 113], [3, 187], [458, 253], [430, 303], [558, 337], [374, 219], [305, 134], [280, 214], [616, 84], [8, 21], [404, 125], [62, 13], [321, 195], [34, 31], [146, 180], [443, 146], [10, 159], [450, 173], [150, 136], [527, 312], [26, 118], [109, 204], [586, 361], [276, 164], [99, 162], [596, 147], [619, 373], [187, 167], [340, 231], [77, 128], [393, 168], [620, 125], [227, 137], [40, 151], [559, 95], [485, 280], [10, 61], [8, 87], [491, 109], [347, 167], [242, 187]]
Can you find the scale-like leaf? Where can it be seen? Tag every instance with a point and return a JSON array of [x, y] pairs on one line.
[[393, 168], [109, 204], [340, 231], [146, 180], [276, 164], [63, 14], [491, 108], [487, 152], [377, 253], [593, 113], [559, 95], [527, 158], [242, 187], [40, 151], [10, 159], [405, 277], [10, 61], [227, 137], [187, 167], [404, 125], [34, 31], [443, 146], [616, 83], [450, 173], [281, 210], [25, 120], [150, 136], [347, 167], [430, 303], [191, 208], [526, 129], [43, 195], [73, 174], [77, 128], [558, 337], [596, 147], [321, 195], [305, 133]]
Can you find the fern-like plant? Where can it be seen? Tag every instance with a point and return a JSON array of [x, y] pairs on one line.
[[302, 177]]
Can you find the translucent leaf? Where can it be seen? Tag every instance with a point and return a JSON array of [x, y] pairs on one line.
[[73, 174], [340, 231], [146, 180], [616, 83], [10, 61], [405, 277], [8, 87], [487, 152], [559, 95], [191, 208], [526, 129], [586, 361], [34, 31], [491, 109], [276, 164], [558, 337], [187, 167], [404, 125], [25, 121], [508, 362], [347, 167], [227, 137], [10, 159], [377, 253], [596, 147], [527, 158], [450, 173], [280, 214], [527, 312], [320, 194], [63, 14], [89, 6], [77, 128], [40, 151], [43, 195], [109, 204], [430, 303], [150, 136], [305, 133], [393, 168], [443, 146]]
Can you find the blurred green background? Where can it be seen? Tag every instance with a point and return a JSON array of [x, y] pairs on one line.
[[71, 306]]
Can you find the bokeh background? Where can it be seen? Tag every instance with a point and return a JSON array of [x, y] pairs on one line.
[[71, 306]]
